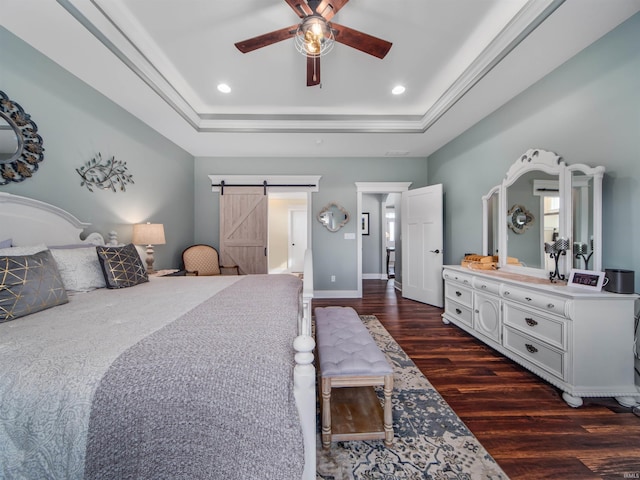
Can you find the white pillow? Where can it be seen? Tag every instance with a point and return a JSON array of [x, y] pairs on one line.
[[79, 268], [26, 250]]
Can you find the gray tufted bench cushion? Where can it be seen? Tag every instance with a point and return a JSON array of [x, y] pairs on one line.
[[349, 357], [345, 346]]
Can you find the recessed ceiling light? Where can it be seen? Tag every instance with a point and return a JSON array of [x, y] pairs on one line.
[[224, 88], [398, 90]]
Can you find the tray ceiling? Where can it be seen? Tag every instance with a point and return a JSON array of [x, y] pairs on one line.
[[459, 60]]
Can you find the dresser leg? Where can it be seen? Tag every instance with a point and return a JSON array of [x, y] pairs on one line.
[[628, 401], [572, 401]]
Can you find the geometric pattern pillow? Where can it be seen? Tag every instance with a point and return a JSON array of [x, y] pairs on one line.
[[28, 284], [122, 266]]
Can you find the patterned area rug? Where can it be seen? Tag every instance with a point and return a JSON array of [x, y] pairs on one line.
[[430, 442]]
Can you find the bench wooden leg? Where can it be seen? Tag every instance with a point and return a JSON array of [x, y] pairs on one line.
[[326, 412], [388, 416]]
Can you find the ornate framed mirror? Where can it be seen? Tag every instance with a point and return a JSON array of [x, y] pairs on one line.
[[566, 202], [333, 216], [20, 145]]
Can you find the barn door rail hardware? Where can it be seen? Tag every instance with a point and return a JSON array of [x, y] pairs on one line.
[[264, 184]]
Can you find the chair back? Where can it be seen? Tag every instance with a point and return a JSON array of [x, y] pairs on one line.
[[202, 259]]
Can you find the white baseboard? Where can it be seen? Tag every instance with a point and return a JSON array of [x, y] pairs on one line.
[[335, 294], [374, 276]]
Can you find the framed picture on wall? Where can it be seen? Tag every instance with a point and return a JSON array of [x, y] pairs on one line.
[[364, 224]]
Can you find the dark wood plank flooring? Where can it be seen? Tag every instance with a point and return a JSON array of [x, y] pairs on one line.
[[521, 420]]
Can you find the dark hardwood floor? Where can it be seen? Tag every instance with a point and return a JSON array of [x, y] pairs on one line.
[[521, 420]]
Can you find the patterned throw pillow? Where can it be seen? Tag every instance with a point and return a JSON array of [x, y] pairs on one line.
[[122, 266], [28, 284]]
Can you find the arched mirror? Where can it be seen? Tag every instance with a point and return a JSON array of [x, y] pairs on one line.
[[333, 216], [20, 145], [563, 202]]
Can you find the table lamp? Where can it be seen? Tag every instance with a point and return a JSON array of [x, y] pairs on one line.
[[148, 234]]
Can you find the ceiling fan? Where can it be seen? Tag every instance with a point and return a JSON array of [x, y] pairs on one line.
[[315, 36]]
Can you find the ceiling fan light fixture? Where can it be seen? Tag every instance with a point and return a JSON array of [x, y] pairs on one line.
[[314, 37]]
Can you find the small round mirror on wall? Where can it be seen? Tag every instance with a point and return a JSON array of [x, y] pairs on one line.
[[333, 216]]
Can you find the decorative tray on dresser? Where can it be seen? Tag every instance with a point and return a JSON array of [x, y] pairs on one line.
[[578, 340]]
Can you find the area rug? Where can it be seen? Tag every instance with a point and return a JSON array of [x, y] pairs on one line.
[[430, 441]]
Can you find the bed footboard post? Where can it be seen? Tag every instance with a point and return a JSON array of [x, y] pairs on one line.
[[307, 294], [304, 389]]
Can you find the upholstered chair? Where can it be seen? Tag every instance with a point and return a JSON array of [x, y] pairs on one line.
[[203, 260]]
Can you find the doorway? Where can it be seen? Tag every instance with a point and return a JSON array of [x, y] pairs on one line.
[[288, 227], [377, 188]]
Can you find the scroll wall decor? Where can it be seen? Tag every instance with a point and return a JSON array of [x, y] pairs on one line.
[[20, 145], [105, 174]]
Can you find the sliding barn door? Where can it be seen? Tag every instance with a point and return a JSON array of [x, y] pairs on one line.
[[243, 229]]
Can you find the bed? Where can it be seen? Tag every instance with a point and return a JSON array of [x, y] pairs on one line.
[[174, 377]]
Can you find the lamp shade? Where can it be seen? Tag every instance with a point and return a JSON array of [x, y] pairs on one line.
[[148, 234]]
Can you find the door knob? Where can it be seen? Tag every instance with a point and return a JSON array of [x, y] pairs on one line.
[[435, 251]]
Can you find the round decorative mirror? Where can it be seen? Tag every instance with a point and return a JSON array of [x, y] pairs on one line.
[[519, 219], [333, 216], [20, 145]]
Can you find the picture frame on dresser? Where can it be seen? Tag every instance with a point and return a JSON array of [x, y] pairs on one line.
[[587, 279]]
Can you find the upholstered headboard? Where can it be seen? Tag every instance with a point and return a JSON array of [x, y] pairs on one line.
[[29, 222]]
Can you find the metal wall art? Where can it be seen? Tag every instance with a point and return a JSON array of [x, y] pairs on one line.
[[105, 174], [20, 145]]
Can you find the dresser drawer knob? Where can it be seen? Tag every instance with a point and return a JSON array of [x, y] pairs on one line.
[[550, 305], [458, 311], [483, 286], [531, 322], [458, 294], [528, 299], [507, 293], [530, 348]]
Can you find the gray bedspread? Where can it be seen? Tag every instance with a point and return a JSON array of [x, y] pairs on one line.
[[206, 395]]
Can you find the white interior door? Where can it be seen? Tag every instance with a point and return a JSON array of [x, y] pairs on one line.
[[422, 242], [297, 239]]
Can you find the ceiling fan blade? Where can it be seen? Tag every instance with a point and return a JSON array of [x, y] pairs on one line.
[[328, 8], [313, 71], [260, 41], [300, 7], [361, 41]]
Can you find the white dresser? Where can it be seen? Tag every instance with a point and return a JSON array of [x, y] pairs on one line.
[[579, 341]]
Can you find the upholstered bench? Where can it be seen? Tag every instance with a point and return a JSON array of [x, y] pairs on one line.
[[349, 357]]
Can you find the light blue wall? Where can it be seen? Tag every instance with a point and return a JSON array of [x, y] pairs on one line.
[[76, 122], [333, 255], [587, 111], [372, 243]]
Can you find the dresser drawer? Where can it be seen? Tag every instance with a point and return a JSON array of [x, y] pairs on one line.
[[547, 303], [484, 285], [457, 277], [458, 293], [458, 311], [545, 328], [535, 351]]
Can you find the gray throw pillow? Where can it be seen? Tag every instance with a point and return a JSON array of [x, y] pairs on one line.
[[28, 284], [122, 266]]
